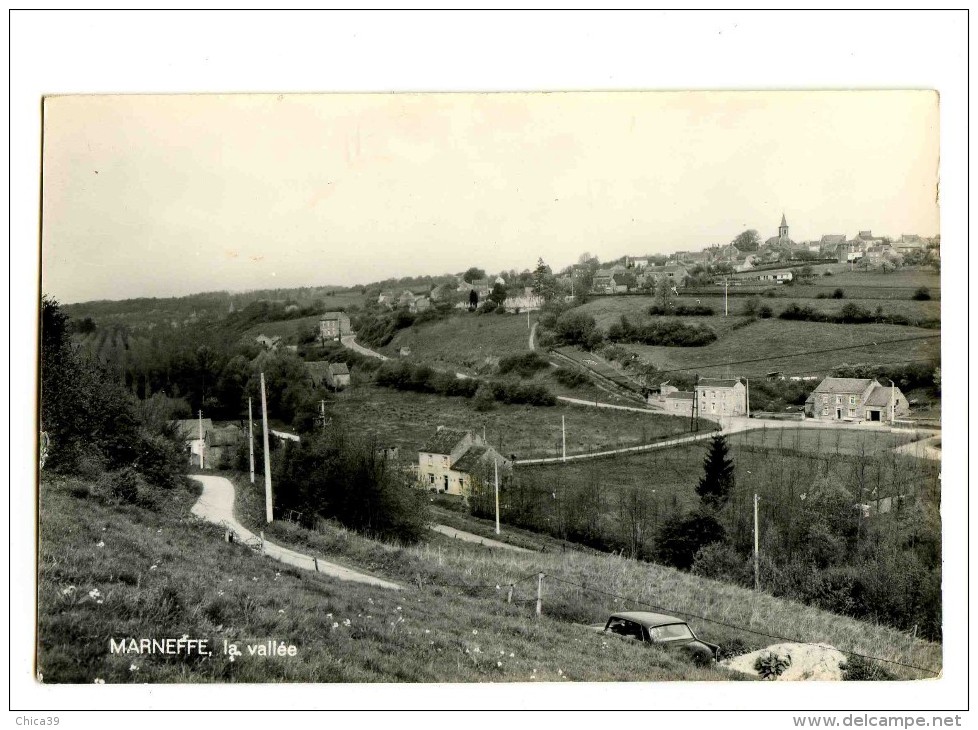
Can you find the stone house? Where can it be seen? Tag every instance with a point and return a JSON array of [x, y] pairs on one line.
[[856, 399], [333, 325], [721, 397], [450, 459], [337, 375], [193, 432], [420, 304], [269, 343], [317, 371]]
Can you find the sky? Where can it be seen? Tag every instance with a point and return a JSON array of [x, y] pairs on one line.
[[154, 196]]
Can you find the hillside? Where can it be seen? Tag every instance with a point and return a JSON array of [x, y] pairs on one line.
[[773, 339], [109, 571]]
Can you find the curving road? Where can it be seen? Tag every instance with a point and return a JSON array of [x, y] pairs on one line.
[[350, 343], [472, 537], [216, 504]]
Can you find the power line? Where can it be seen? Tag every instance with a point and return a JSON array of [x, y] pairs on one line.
[[738, 628], [799, 354]]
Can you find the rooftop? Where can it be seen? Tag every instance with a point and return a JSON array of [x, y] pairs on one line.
[[718, 382], [443, 441], [843, 385]]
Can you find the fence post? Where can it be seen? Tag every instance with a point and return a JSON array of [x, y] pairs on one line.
[[262, 546], [509, 594], [315, 563], [539, 593]]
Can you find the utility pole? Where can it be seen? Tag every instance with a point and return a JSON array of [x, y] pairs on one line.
[[725, 282], [748, 396], [757, 566], [528, 318], [539, 593], [251, 443], [496, 465], [200, 435], [563, 437], [268, 460], [322, 412], [892, 402]]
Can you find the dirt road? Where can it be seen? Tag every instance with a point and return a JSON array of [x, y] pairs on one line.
[[216, 504], [350, 343]]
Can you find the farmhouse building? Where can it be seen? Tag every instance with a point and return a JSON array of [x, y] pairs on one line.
[[721, 397], [334, 325], [337, 375], [775, 276], [856, 399], [269, 343], [451, 459]]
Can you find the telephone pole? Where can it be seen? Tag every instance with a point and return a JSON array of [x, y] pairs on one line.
[[725, 282], [251, 442], [748, 396], [200, 435], [757, 565], [563, 437], [496, 465], [268, 461]]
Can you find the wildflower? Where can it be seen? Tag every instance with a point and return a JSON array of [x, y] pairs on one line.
[[230, 580], [427, 631], [477, 650], [99, 680], [159, 531], [346, 622], [499, 664], [101, 544], [511, 655], [560, 671], [497, 586], [475, 632], [329, 615], [370, 600], [220, 593], [281, 610], [68, 590], [335, 625], [104, 529], [398, 608], [133, 668], [99, 601], [369, 616], [94, 593], [254, 579]]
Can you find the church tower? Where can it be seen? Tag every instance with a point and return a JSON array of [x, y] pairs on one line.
[[783, 232]]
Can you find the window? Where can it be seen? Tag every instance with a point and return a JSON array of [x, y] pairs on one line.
[[624, 628], [852, 400], [430, 460], [670, 632], [431, 478], [852, 411], [825, 411]]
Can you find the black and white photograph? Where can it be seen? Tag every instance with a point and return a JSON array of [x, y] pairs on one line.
[[510, 387]]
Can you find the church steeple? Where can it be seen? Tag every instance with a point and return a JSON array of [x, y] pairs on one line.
[[783, 230]]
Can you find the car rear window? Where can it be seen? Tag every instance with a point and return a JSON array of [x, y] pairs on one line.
[[670, 632]]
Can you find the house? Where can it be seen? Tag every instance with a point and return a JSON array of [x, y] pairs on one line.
[[337, 375], [745, 264], [193, 432], [603, 283], [420, 304], [317, 371], [387, 299], [221, 443], [619, 283], [856, 399], [638, 263], [674, 273], [776, 276], [721, 397], [527, 301], [672, 400], [333, 325], [406, 299], [450, 460], [481, 287], [269, 343]]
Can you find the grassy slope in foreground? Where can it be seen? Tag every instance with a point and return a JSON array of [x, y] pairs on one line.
[[772, 339], [124, 571]]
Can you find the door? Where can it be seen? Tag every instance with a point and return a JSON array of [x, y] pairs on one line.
[[874, 415], [838, 413], [446, 482]]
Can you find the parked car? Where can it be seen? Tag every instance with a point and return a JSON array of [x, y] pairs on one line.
[[668, 632]]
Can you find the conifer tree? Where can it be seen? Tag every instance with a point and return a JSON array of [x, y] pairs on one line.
[[718, 474]]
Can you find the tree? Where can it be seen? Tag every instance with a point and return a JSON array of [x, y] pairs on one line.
[[578, 328], [498, 293], [473, 299], [749, 240], [544, 283], [718, 474], [681, 538], [473, 273]]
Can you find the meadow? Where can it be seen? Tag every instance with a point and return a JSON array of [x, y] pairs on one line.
[[407, 420], [464, 341], [771, 341]]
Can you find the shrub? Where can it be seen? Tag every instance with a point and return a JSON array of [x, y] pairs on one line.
[[483, 400], [827, 272], [838, 294], [683, 310], [771, 665], [577, 328], [667, 332], [525, 365], [681, 538], [921, 295], [857, 669], [121, 486], [569, 377], [765, 312], [720, 561]]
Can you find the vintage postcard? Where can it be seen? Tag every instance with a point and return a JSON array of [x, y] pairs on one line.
[[495, 387]]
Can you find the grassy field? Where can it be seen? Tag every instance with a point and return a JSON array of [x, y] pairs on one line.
[[858, 285], [464, 341], [819, 440], [775, 340], [408, 419], [288, 329]]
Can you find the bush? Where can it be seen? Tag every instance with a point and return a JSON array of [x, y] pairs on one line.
[[772, 665], [669, 332], [577, 328], [857, 669], [483, 400], [720, 561], [570, 378], [765, 312], [838, 294], [681, 538], [525, 365], [921, 295], [121, 486], [683, 310]]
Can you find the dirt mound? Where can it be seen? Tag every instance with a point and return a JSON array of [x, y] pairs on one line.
[[807, 662]]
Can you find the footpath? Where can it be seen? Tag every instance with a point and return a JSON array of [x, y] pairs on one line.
[[216, 505]]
